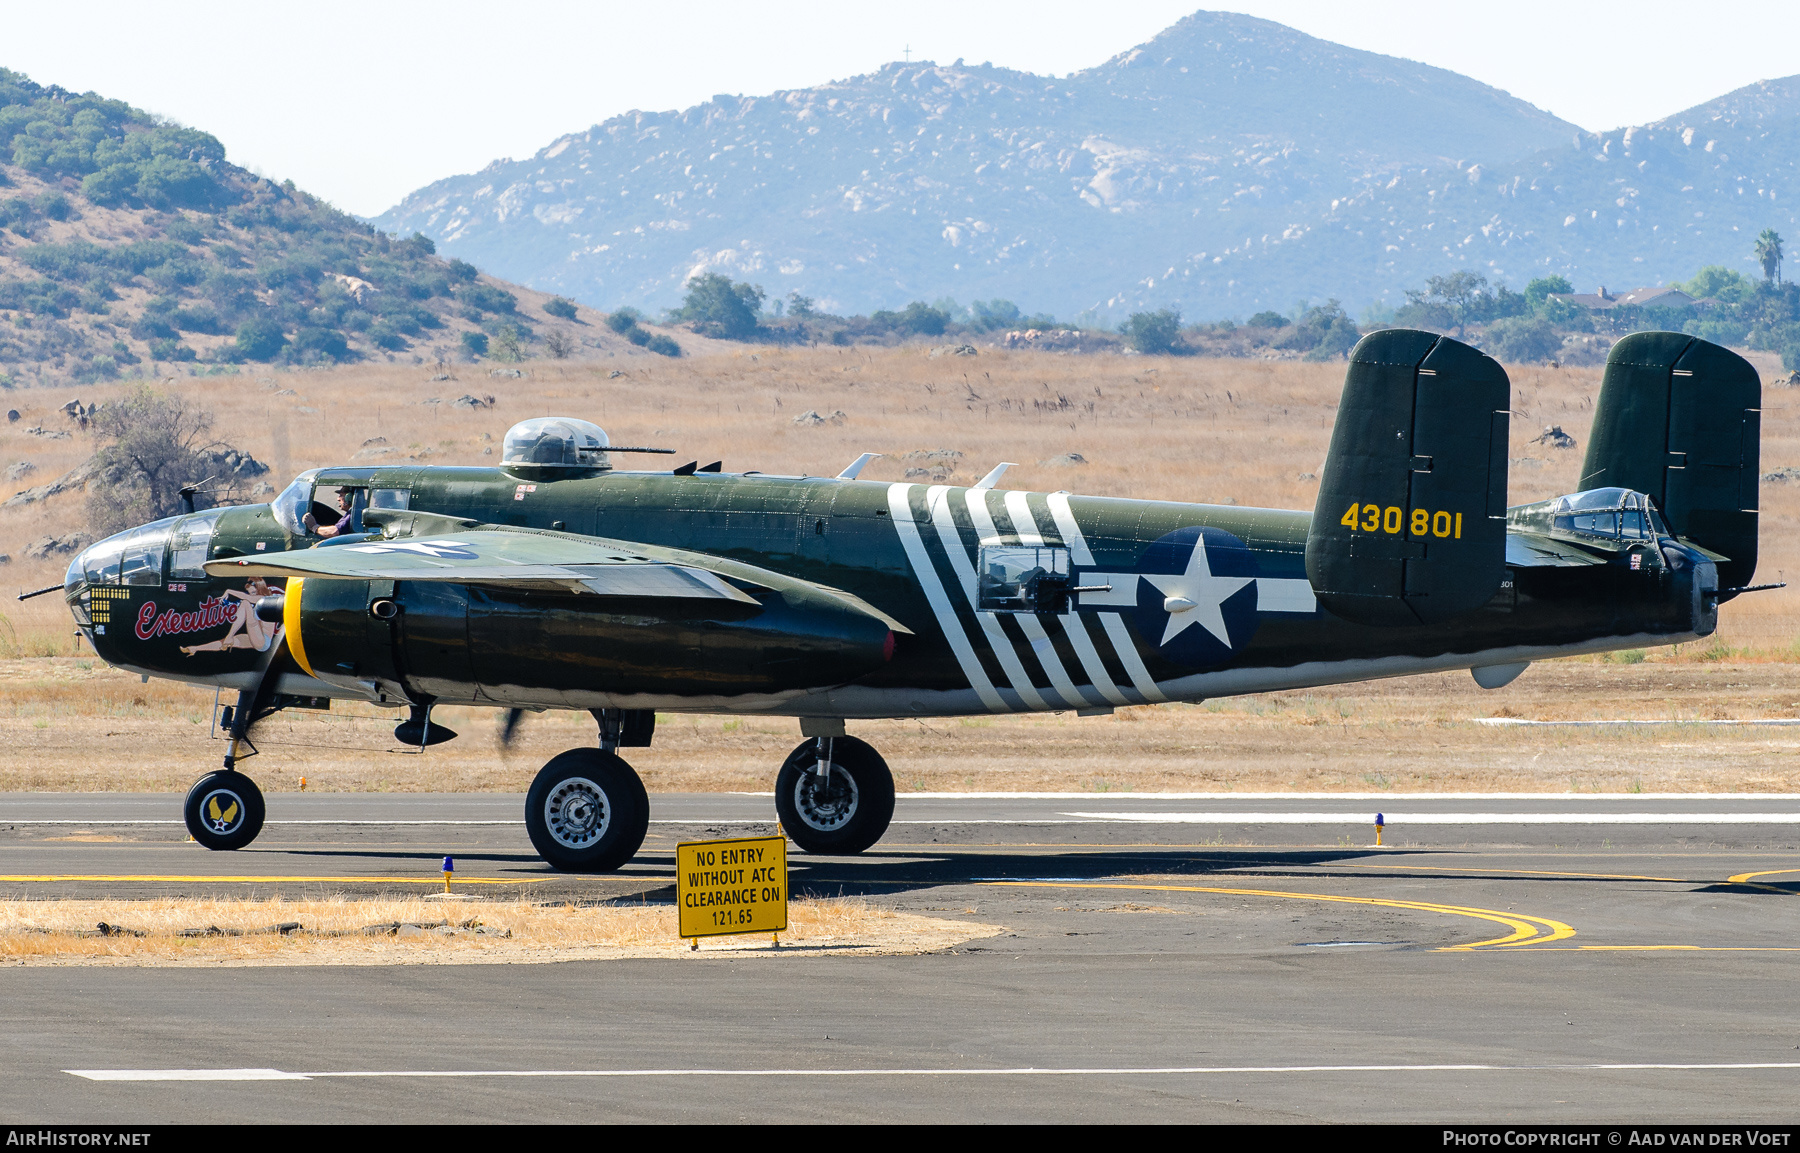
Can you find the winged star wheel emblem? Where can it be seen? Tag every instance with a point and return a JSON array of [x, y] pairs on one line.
[[221, 819], [1196, 596]]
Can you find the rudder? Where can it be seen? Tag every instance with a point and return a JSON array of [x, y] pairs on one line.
[[1410, 524], [1680, 418]]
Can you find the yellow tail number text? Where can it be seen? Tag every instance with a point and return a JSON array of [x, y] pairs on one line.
[[1422, 522]]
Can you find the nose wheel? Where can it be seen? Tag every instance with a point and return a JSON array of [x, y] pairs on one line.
[[843, 810], [587, 811], [224, 810]]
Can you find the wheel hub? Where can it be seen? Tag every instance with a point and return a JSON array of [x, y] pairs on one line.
[[576, 813], [826, 806], [222, 811]]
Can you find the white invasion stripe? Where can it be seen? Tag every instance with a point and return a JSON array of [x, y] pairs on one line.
[[1042, 647], [1128, 656], [187, 1075], [900, 506], [1071, 532], [1592, 724], [1024, 524], [1115, 627], [1076, 628], [1285, 595], [1018, 1071], [983, 523], [1394, 819]]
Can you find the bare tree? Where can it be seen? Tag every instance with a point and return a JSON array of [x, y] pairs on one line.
[[152, 445], [558, 344]]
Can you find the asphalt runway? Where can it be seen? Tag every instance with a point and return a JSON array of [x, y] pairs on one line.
[[1165, 958]]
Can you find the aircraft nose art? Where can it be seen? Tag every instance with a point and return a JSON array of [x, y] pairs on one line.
[[1196, 596]]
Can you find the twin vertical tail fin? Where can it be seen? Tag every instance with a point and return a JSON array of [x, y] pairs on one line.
[[1681, 419], [1410, 526]]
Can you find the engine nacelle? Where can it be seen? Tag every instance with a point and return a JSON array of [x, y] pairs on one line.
[[481, 644]]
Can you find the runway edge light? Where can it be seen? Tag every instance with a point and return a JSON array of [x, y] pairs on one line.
[[1379, 822], [449, 867]]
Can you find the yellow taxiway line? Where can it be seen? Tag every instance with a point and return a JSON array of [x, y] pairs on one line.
[[1525, 930]]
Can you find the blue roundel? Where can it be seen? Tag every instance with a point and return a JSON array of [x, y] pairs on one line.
[[1197, 596]]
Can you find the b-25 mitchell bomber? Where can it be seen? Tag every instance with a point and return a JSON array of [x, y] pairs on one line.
[[559, 581]]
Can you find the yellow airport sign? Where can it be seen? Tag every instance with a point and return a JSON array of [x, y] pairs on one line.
[[736, 886]]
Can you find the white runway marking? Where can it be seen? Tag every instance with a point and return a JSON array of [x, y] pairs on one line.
[[1591, 724], [1394, 818], [1024, 1071], [186, 1075]]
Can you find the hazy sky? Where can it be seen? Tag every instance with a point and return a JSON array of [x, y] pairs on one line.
[[364, 102]]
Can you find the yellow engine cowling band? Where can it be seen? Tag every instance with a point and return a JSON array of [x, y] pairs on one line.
[[329, 630]]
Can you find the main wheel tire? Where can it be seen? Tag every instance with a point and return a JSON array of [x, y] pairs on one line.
[[587, 811], [224, 810], [845, 815]]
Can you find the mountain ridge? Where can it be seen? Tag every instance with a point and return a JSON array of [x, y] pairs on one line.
[[925, 179]]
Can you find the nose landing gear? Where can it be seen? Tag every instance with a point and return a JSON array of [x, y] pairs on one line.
[[224, 810]]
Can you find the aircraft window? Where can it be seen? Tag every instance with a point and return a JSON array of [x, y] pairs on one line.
[[1631, 524], [100, 564], [1595, 498], [290, 505], [390, 498], [189, 543], [141, 562], [1023, 579], [1598, 523], [556, 440]]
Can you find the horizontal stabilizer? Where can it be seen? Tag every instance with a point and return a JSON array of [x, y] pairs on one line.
[[1410, 523]]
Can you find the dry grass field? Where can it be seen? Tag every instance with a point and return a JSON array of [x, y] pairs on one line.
[[420, 931], [1214, 430]]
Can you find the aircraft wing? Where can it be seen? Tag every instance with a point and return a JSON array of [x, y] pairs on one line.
[[488, 557]]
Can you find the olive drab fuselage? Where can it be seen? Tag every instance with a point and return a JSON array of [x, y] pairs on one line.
[[1005, 601]]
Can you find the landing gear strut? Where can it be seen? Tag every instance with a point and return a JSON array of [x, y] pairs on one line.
[[834, 795]]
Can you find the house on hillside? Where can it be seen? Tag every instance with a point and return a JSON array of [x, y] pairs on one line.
[[1604, 301]]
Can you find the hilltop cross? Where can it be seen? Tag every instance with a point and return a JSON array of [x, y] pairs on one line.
[[908, 53]]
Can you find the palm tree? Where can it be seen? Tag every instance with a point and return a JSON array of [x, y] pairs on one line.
[[1768, 254]]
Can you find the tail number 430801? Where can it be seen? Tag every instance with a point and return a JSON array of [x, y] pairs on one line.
[[1393, 518]]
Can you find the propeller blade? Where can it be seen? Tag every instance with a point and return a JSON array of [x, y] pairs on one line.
[[510, 726]]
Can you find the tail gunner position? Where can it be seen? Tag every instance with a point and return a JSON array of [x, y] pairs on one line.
[[557, 581]]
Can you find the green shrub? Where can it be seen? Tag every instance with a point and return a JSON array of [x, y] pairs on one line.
[[111, 186], [1153, 333], [663, 344], [1522, 340], [487, 298], [1337, 339], [169, 349], [421, 244], [322, 342], [384, 335], [260, 339], [1267, 319], [198, 318], [717, 307], [153, 326], [53, 204], [623, 321], [462, 270], [475, 343], [637, 336], [557, 306]]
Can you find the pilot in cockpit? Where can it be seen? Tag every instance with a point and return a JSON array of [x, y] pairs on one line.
[[323, 520]]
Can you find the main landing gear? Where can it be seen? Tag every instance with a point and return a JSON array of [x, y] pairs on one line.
[[586, 811], [224, 810], [834, 795]]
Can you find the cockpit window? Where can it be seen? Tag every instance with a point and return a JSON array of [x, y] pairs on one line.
[[1617, 513], [189, 543], [290, 505], [556, 440], [142, 560]]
